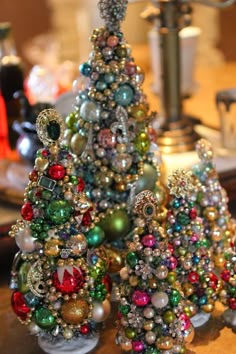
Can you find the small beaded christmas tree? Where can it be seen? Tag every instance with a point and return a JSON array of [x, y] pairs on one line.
[[58, 277], [228, 275], [108, 131], [212, 202], [152, 318], [194, 267]]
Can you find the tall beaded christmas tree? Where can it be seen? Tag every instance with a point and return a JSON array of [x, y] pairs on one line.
[[152, 318], [212, 202], [194, 267], [228, 275], [58, 277], [108, 131]]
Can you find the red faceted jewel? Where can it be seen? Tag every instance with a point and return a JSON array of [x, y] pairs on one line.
[[19, 306], [71, 283], [80, 186], [106, 280], [193, 213], [27, 211], [84, 329], [86, 221], [225, 275], [56, 172]]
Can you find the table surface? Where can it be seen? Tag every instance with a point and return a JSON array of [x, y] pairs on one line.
[[214, 337]]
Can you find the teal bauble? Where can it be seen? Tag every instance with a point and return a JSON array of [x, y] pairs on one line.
[[148, 179], [44, 318], [124, 95], [95, 237], [59, 211], [90, 111], [116, 225]]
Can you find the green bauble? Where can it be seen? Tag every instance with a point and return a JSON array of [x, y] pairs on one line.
[[44, 318], [116, 225], [174, 297], [59, 211], [22, 277], [132, 259], [148, 179], [95, 237], [142, 143]]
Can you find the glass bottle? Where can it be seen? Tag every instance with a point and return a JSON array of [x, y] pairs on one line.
[[11, 78]]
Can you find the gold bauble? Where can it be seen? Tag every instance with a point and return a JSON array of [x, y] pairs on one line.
[[114, 259], [153, 283], [164, 343], [78, 143], [75, 311], [211, 213], [216, 233], [208, 308], [148, 325], [189, 334], [52, 248], [188, 289], [219, 260], [133, 280]]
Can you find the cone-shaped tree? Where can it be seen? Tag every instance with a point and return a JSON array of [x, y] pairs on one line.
[[228, 275], [108, 131], [212, 203], [151, 305], [60, 285], [194, 267]]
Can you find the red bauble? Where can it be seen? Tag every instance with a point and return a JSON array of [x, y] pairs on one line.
[[56, 172], [106, 280], [27, 211], [84, 329], [19, 306], [232, 303], [193, 277], [33, 176], [193, 213], [225, 275], [71, 283], [80, 186]]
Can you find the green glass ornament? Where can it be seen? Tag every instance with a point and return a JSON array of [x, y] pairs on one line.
[[171, 277], [130, 333], [174, 297], [132, 259], [148, 179], [124, 309], [142, 142], [44, 318], [95, 236], [22, 277], [59, 211], [116, 225], [169, 316]]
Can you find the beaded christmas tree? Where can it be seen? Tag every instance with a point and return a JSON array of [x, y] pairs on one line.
[[58, 277], [152, 318], [228, 275], [212, 202], [108, 131], [193, 264]]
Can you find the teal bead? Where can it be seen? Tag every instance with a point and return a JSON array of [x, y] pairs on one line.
[[174, 297], [22, 277], [183, 219], [85, 69], [148, 179], [44, 318], [109, 78], [59, 211], [101, 85], [53, 130], [116, 225], [31, 300], [132, 259], [95, 237], [124, 95], [90, 111]]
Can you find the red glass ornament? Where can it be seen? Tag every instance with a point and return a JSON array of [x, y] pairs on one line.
[[27, 211], [19, 306], [107, 282], [213, 281], [193, 213], [84, 329], [33, 176], [71, 283], [193, 277], [81, 185], [56, 172], [225, 275], [86, 221], [44, 153], [140, 298], [232, 303]]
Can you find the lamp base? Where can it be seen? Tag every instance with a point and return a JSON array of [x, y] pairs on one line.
[[78, 345], [200, 319], [229, 317], [178, 136]]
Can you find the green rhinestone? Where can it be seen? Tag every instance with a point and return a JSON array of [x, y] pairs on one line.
[[44, 318], [125, 309], [132, 259], [53, 130], [183, 218], [174, 297], [59, 211]]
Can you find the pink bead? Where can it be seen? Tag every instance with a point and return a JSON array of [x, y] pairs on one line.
[[148, 241], [112, 41], [172, 263], [137, 346], [140, 298], [106, 139], [183, 317], [194, 238], [130, 68]]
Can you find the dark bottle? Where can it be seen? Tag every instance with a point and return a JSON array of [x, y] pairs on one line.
[[11, 78]]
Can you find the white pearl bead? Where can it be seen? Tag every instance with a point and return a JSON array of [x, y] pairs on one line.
[[101, 310], [24, 240], [150, 337], [124, 273], [148, 312], [67, 334], [33, 328], [159, 299]]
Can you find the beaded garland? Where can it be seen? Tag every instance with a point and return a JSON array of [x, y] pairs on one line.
[[192, 254], [108, 131], [59, 276], [152, 317]]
